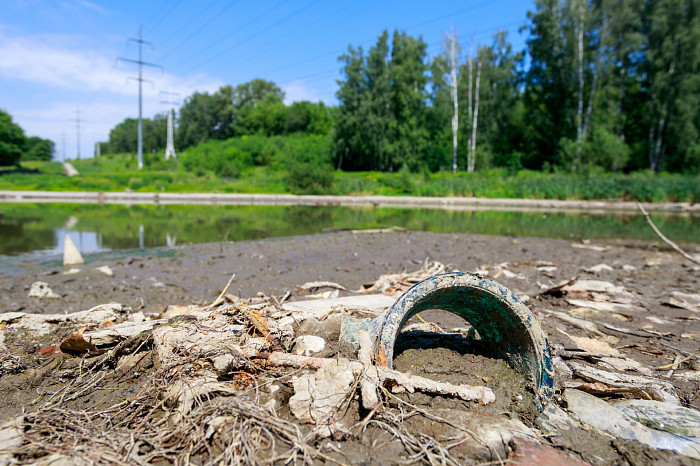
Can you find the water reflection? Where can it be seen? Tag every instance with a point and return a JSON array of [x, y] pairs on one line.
[[41, 228]]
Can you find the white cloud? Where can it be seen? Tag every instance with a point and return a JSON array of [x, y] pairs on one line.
[[37, 60], [49, 77], [299, 90]]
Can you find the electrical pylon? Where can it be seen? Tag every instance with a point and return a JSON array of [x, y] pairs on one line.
[[140, 80], [170, 144]]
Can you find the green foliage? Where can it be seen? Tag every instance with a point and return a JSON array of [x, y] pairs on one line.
[[222, 158], [37, 148], [11, 140], [123, 137], [381, 119], [307, 161]]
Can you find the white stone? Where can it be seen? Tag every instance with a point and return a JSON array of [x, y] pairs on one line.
[[318, 396], [41, 290], [222, 362], [308, 345], [71, 255], [604, 416], [663, 416], [599, 268], [105, 270], [11, 437], [596, 285]]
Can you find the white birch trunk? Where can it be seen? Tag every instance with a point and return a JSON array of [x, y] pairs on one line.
[[470, 108], [579, 112], [472, 156], [455, 100]]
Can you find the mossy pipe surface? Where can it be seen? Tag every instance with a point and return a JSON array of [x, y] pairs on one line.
[[503, 321]]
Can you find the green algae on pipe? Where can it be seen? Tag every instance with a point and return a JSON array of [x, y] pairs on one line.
[[503, 321]]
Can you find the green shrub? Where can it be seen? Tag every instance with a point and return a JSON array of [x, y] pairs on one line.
[[307, 160]]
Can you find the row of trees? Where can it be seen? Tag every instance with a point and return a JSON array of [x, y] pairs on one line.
[[255, 107], [602, 84], [15, 146]]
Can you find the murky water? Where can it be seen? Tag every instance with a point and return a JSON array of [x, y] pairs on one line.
[[39, 229]]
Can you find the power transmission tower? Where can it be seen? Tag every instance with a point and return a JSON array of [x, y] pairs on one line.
[[140, 79], [170, 145], [77, 129]]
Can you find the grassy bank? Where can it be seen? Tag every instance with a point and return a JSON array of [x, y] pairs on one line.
[[279, 175]]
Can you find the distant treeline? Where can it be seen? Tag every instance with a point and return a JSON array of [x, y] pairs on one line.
[[604, 85], [15, 146]]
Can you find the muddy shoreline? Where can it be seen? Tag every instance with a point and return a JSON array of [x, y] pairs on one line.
[[651, 330]]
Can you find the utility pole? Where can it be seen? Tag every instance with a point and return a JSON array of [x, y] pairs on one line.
[[63, 143], [77, 130], [140, 79], [97, 149], [170, 145]]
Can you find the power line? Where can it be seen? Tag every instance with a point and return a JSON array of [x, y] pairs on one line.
[[235, 31], [451, 15], [188, 22], [305, 33], [211, 20], [305, 7], [328, 72], [140, 79], [164, 14]]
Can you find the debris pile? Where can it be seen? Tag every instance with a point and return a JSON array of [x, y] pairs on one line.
[[265, 380]]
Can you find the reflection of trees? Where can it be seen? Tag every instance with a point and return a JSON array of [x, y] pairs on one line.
[[17, 236], [30, 227], [307, 216]]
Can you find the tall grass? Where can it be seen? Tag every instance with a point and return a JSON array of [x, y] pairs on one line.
[[299, 164]]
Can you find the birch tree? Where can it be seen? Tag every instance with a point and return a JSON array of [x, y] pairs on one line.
[[450, 43]]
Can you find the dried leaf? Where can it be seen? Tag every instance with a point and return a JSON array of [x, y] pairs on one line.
[[76, 344]]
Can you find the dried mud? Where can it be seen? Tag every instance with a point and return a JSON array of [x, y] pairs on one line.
[[658, 332]]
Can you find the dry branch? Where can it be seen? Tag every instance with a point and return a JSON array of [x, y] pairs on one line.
[[387, 376], [666, 240]]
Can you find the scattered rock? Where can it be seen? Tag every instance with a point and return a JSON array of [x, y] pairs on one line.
[[604, 416], [599, 268], [583, 286], [663, 416], [308, 345], [41, 290], [553, 419], [11, 436], [105, 269], [318, 397]]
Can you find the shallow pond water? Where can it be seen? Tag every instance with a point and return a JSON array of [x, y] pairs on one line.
[[39, 229]]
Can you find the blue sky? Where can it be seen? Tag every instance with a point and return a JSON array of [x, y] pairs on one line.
[[60, 56]]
